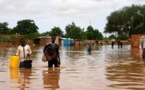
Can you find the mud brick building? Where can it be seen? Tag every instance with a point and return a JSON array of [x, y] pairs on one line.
[[135, 43], [43, 40]]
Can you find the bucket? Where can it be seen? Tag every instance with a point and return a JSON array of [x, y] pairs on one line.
[[28, 63], [14, 62]]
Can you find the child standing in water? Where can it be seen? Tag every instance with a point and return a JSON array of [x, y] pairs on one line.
[[89, 49]]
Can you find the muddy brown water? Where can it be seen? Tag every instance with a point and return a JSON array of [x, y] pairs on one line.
[[104, 69]]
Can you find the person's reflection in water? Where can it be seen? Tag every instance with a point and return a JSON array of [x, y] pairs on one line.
[[51, 78], [24, 78]]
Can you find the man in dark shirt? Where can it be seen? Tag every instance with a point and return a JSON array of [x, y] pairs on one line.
[[52, 50]]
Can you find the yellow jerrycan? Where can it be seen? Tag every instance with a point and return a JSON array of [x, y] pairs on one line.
[[14, 61]]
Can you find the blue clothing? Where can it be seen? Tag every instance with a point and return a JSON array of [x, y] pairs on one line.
[[89, 48]]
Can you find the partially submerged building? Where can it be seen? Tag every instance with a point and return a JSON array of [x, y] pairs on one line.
[[136, 42], [43, 40]]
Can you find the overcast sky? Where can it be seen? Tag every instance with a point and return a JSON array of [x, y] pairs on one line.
[[59, 13]]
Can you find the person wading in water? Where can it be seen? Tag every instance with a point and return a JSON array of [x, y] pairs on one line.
[[23, 51], [51, 53]]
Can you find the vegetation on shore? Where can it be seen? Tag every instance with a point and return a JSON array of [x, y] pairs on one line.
[[120, 25]]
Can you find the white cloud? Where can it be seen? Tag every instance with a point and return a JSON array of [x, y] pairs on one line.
[[49, 13]]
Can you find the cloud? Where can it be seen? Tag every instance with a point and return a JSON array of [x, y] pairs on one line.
[[22, 7], [49, 13], [78, 9]]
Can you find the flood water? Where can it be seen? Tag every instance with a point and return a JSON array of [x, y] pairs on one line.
[[104, 69]]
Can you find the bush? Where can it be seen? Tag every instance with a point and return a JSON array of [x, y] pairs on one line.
[[4, 40], [32, 36], [123, 37]]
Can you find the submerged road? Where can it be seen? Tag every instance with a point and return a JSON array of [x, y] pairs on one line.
[[104, 69]]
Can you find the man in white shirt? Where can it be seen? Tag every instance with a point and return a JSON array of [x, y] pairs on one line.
[[23, 51]]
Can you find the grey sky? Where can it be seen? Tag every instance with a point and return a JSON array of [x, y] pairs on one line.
[[50, 13]]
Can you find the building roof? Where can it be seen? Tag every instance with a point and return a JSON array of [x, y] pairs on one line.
[[44, 37], [48, 37]]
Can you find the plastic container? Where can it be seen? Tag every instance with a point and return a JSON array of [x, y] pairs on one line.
[[14, 62]]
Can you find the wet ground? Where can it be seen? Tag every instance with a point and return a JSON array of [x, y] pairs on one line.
[[104, 69]]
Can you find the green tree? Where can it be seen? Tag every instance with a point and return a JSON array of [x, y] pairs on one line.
[[73, 31], [76, 32], [100, 36], [56, 31], [45, 33], [93, 34], [32, 36], [126, 21], [90, 34], [4, 28], [69, 27], [97, 35], [25, 27], [112, 36], [122, 37], [83, 35]]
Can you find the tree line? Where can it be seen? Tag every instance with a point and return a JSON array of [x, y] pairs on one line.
[[126, 21], [30, 30]]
